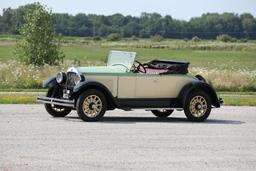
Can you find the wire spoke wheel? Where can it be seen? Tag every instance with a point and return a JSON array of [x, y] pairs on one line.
[[56, 110], [92, 106], [198, 106]]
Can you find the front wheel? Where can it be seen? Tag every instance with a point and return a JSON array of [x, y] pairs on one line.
[[55, 110], [91, 105], [162, 113], [197, 106]]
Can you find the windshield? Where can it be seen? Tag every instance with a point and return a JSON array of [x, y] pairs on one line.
[[121, 58]]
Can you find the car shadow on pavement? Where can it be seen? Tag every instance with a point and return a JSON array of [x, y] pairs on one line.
[[125, 119]]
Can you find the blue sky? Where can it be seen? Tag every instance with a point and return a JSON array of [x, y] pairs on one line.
[[179, 9]]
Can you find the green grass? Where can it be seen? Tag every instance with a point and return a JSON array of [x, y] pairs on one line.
[[98, 51], [84, 53], [230, 98], [211, 55], [239, 100], [207, 59], [236, 93], [6, 52], [17, 99], [21, 90], [230, 66]]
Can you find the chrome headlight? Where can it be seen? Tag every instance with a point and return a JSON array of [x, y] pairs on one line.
[[77, 79], [61, 77]]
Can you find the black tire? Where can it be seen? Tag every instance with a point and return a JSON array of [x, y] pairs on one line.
[[54, 110], [94, 109], [197, 106], [162, 114]]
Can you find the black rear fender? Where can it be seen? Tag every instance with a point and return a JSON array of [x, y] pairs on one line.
[[202, 86]]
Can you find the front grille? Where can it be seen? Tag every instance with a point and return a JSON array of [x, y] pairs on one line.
[[70, 80]]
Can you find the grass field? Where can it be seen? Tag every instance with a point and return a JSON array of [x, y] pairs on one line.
[[230, 66], [198, 58], [22, 90], [239, 99], [17, 99], [238, 58]]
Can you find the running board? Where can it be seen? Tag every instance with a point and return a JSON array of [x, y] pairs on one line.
[[56, 101]]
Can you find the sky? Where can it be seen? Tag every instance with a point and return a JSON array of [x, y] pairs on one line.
[[178, 9]]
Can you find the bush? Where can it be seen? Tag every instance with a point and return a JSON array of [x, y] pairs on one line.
[[196, 39], [97, 38], [114, 37], [157, 38], [38, 45], [134, 38], [242, 40], [225, 38], [185, 40], [233, 39]]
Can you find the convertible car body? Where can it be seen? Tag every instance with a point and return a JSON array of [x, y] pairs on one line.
[[159, 86]]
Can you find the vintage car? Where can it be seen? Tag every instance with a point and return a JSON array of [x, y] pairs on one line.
[[159, 86]]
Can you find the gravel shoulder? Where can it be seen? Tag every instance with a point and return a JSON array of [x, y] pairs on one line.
[[30, 139]]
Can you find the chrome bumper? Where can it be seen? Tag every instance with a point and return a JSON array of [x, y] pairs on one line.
[[55, 101]]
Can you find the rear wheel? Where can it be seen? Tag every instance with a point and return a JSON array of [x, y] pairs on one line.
[[55, 110], [197, 106], [162, 113], [91, 105]]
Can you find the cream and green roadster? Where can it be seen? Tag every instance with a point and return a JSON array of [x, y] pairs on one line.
[[159, 86]]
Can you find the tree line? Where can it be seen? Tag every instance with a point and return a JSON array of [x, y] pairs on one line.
[[207, 26]]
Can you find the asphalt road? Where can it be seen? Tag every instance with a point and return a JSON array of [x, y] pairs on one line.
[[30, 139]]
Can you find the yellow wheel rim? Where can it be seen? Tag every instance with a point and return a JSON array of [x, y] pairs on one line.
[[92, 106], [198, 106]]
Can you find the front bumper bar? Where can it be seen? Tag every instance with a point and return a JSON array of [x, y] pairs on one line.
[[56, 101]]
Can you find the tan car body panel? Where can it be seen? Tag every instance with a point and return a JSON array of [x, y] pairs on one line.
[[127, 86], [142, 85], [110, 81], [160, 86]]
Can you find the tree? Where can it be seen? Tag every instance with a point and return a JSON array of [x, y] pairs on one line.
[[207, 26], [225, 38], [131, 29], [249, 25], [38, 45], [114, 37], [157, 38], [196, 39]]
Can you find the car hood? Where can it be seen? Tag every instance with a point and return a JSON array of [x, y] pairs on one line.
[[102, 69]]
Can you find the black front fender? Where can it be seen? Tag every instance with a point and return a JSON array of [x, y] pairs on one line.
[[89, 84], [50, 82], [199, 85], [86, 85]]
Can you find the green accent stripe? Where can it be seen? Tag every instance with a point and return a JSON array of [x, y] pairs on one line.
[[137, 74]]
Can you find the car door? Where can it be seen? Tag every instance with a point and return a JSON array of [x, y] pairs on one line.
[[160, 86], [126, 85]]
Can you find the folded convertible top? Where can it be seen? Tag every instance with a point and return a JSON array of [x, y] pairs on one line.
[[171, 67]]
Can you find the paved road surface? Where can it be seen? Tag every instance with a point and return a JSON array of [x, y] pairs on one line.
[[32, 140]]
